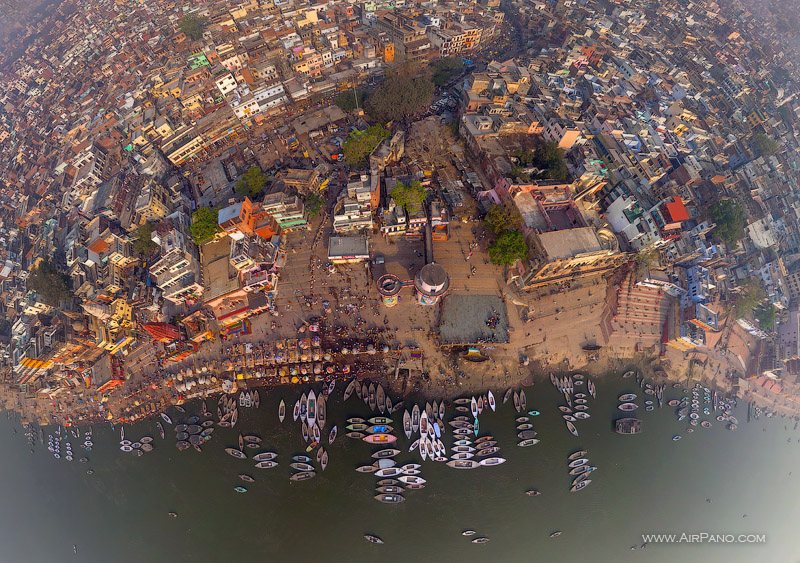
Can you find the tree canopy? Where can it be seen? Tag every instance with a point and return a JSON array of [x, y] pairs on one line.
[[143, 244], [548, 158], [507, 248], [204, 225], [348, 100], [193, 26], [313, 204], [730, 219], [406, 92], [252, 182], [750, 295], [500, 218], [50, 284], [763, 145], [360, 144], [765, 315], [409, 196], [445, 69]]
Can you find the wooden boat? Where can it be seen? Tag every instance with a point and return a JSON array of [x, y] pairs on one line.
[[296, 410], [301, 466], [388, 472], [527, 434], [491, 401], [628, 407], [461, 401], [423, 448], [462, 408], [516, 402], [265, 456], [571, 428], [371, 401], [323, 460], [322, 412], [304, 430], [463, 464], [380, 420], [390, 499], [577, 462], [332, 434], [387, 482], [388, 452], [364, 396], [492, 461], [580, 485], [357, 427], [356, 420], [238, 454], [379, 429], [580, 469], [523, 400], [507, 395], [485, 444], [160, 430], [473, 407], [380, 439], [429, 410], [463, 449], [407, 424], [487, 451], [410, 466], [389, 490], [526, 426], [349, 389], [581, 401], [303, 476], [569, 417], [441, 410], [577, 455], [355, 435], [281, 411], [366, 469], [415, 419], [412, 480], [423, 423], [627, 397], [246, 478], [414, 445], [316, 433], [267, 464], [380, 398], [389, 406], [480, 405], [468, 533], [480, 541], [373, 539], [359, 389], [527, 443], [303, 406], [311, 411], [591, 387], [256, 399]]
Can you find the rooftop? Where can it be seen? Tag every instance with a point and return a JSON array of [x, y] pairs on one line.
[[569, 243]]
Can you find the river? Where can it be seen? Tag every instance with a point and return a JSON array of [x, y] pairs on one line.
[[644, 483]]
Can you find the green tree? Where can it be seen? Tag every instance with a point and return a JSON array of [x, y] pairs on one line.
[[550, 158], [143, 244], [765, 315], [763, 145], [314, 203], [409, 196], [647, 258], [407, 91], [348, 100], [507, 248], [50, 284], [252, 182], [445, 69], [730, 219], [193, 26], [500, 218], [360, 144], [204, 225], [749, 296]]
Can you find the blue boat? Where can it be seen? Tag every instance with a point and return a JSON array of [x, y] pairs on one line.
[[240, 489], [534, 413], [476, 426]]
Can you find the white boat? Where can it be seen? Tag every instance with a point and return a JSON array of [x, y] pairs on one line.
[[323, 460], [296, 410], [492, 404], [461, 456], [388, 472], [412, 480], [311, 411], [265, 456], [380, 399], [473, 407], [423, 423], [266, 464], [332, 435], [516, 402], [507, 395], [322, 412], [407, 424], [571, 428], [528, 442], [303, 406], [463, 464], [441, 410], [491, 461], [385, 453], [351, 387], [281, 411], [523, 400], [415, 418]]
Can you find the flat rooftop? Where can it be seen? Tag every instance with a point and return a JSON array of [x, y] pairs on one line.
[[348, 246], [470, 319], [569, 242]]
